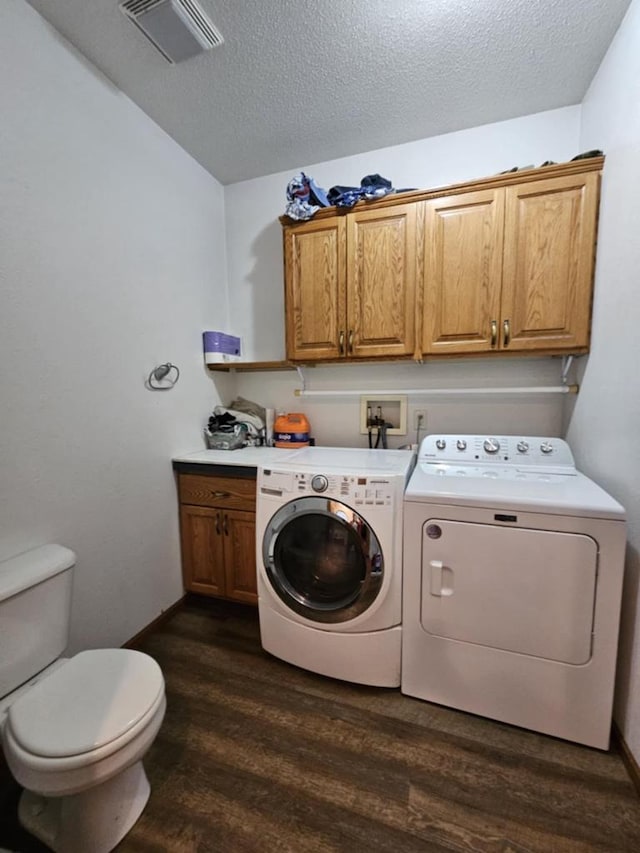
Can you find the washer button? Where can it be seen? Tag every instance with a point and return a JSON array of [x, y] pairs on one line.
[[319, 483], [491, 445]]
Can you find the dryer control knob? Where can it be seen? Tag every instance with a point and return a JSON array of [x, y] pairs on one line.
[[461, 444], [522, 446], [491, 445], [319, 483], [441, 444], [546, 447]]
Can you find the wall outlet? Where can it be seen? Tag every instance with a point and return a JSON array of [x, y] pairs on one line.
[[419, 419]]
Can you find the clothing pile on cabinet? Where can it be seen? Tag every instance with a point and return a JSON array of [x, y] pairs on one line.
[[305, 197], [240, 424]]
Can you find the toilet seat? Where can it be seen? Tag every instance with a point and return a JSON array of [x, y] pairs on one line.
[[54, 777], [87, 709]]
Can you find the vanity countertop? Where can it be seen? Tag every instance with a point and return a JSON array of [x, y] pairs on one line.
[[246, 457]]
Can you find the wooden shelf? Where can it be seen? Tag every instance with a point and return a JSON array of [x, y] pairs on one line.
[[246, 366]]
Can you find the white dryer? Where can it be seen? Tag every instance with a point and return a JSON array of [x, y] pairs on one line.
[[329, 557], [513, 565]]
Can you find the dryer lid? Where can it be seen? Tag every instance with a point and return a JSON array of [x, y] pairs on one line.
[[95, 698], [553, 494]]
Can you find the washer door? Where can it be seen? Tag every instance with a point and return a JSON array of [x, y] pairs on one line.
[[323, 559]]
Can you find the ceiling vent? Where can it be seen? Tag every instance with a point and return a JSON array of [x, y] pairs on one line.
[[178, 28]]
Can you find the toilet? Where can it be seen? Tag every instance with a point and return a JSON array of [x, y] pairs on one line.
[[74, 730]]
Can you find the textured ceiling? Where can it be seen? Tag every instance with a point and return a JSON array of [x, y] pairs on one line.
[[302, 81]]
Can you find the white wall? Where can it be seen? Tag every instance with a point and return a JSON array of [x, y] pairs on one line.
[[112, 260], [335, 421], [256, 298], [604, 426]]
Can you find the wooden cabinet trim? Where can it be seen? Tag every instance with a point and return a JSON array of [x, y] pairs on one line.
[[242, 472], [592, 164]]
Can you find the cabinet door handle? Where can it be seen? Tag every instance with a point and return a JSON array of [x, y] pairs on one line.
[[350, 340], [225, 524], [218, 523], [494, 333], [220, 494], [341, 342], [506, 332]]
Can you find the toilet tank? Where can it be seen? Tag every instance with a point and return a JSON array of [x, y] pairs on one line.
[[35, 608]]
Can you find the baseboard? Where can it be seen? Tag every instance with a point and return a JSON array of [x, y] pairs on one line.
[[135, 641], [633, 769]]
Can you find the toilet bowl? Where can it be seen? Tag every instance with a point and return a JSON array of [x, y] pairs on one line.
[[74, 731], [75, 742]]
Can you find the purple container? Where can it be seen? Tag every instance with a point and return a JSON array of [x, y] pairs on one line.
[[219, 347]]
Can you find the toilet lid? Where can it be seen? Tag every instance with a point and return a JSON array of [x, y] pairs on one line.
[[95, 698]]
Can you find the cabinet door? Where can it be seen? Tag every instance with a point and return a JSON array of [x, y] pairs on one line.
[[240, 556], [202, 549], [549, 250], [463, 272], [381, 281], [314, 262]]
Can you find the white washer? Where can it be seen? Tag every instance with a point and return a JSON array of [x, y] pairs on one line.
[[513, 565], [329, 557]]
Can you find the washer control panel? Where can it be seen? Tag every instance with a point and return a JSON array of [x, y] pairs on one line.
[[354, 490], [358, 491], [473, 450]]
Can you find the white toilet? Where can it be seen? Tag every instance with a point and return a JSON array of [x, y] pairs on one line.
[[74, 731]]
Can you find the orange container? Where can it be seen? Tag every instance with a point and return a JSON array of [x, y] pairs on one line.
[[291, 430]]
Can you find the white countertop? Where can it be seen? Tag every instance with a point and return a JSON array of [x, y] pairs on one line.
[[246, 456], [344, 459]]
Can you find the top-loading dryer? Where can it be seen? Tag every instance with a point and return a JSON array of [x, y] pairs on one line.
[[329, 557], [513, 565]]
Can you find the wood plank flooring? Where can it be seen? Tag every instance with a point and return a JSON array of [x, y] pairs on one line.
[[257, 755]]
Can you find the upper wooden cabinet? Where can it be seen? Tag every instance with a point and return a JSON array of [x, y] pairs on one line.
[[463, 272], [549, 253], [504, 264], [510, 268], [350, 285], [315, 286], [381, 282]]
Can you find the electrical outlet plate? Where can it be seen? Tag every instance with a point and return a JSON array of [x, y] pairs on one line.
[[394, 411], [420, 419]]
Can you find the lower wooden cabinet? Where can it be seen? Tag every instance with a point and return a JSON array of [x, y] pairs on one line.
[[217, 532]]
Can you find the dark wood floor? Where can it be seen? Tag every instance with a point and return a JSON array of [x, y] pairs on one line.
[[256, 755]]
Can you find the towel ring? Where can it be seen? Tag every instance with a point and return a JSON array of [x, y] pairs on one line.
[[163, 372]]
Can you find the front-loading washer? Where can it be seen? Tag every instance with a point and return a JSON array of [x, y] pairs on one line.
[[513, 566], [329, 558]]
